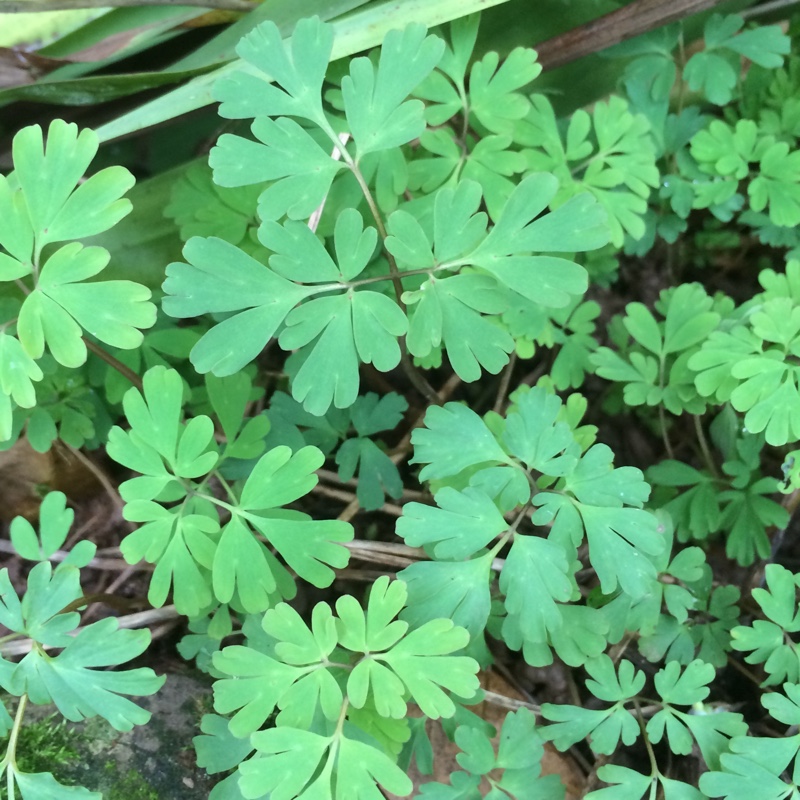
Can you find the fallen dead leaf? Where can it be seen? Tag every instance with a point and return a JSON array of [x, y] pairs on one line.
[[18, 68], [25, 473], [445, 751]]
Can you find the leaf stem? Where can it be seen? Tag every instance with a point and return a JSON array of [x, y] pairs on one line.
[[502, 390], [226, 486], [417, 379], [11, 752], [123, 369], [650, 754], [704, 448]]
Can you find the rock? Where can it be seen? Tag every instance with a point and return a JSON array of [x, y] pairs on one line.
[[152, 762]]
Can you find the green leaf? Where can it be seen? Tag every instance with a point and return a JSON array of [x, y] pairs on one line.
[[284, 153], [536, 578], [715, 70], [43, 786], [535, 435], [619, 171], [55, 520], [377, 474], [417, 662], [218, 750], [770, 640], [292, 72], [545, 279], [18, 371], [255, 684], [287, 768], [378, 113], [463, 523], [79, 690], [607, 727], [493, 95], [457, 591], [753, 765], [48, 176], [454, 437], [112, 311], [221, 278]]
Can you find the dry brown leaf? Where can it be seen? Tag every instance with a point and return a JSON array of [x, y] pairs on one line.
[[23, 473], [445, 751], [18, 68]]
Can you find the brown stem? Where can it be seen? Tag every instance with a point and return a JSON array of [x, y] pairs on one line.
[[123, 370], [618, 26]]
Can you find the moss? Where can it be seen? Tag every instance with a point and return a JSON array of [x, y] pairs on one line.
[[131, 785], [45, 745]]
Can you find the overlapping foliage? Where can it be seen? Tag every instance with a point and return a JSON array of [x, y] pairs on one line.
[[426, 207]]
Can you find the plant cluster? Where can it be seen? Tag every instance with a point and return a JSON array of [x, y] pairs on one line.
[[419, 210]]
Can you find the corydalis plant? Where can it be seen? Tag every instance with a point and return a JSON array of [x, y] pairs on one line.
[[208, 550], [50, 303], [76, 678], [433, 275]]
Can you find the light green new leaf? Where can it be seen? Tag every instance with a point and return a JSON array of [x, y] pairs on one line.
[[493, 95], [397, 662], [55, 520], [155, 419], [362, 767], [716, 69], [48, 176], [312, 548], [16, 235], [39, 613], [181, 545], [256, 684], [776, 185], [241, 565], [281, 477], [286, 770], [770, 640], [374, 630], [296, 643], [63, 303], [423, 662], [378, 113], [18, 371]]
